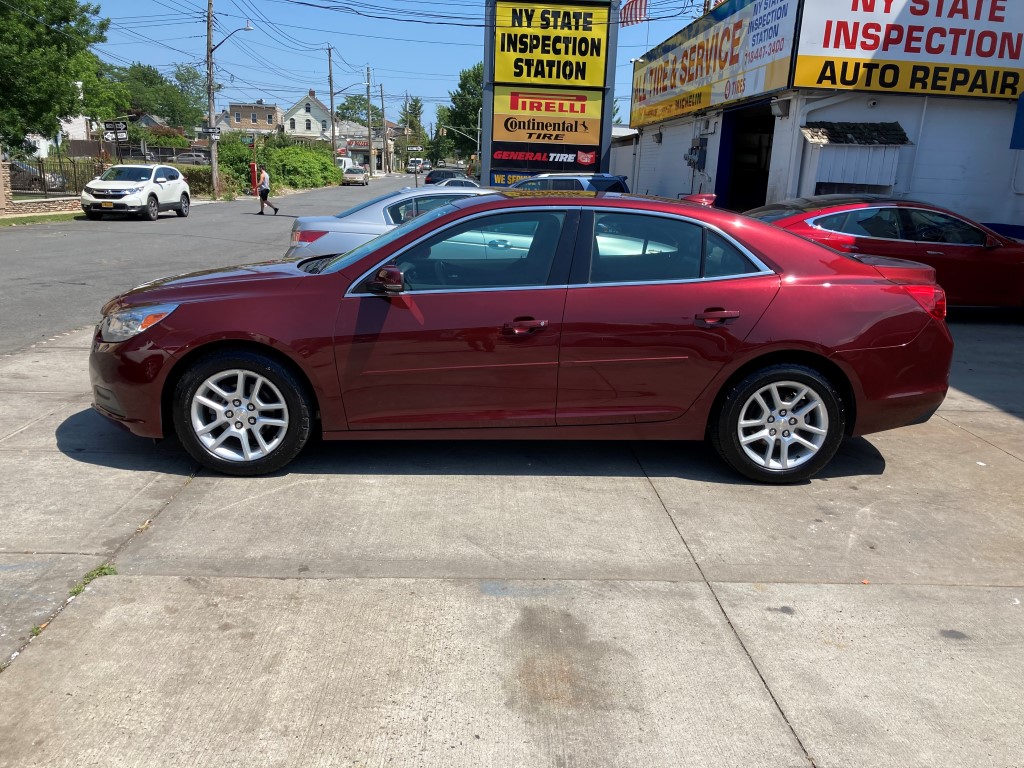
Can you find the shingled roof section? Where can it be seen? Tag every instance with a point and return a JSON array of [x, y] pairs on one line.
[[860, 134]]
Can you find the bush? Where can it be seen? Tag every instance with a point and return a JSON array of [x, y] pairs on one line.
[[201, 183], [289, 165]]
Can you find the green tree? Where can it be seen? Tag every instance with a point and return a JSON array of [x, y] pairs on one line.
[[467, 100], [353, 108], [41, 42], [103, 96], [179, 101], [442, 144], [410, 117]]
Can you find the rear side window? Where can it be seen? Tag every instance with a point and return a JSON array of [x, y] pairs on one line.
[[882, 223], [630, 248], [563, 184], [608, 185]]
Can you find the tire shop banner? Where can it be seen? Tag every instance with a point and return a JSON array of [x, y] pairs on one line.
[[553, 116], [559, 45], [742, 48], [940, 47], [542, 158]]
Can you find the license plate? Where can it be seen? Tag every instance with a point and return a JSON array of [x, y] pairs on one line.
[[106, 205]]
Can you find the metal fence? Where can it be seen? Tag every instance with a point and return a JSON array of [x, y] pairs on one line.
[[54, 177]]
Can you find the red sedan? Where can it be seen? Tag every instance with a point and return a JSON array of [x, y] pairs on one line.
[[526, 316], [975, 266]]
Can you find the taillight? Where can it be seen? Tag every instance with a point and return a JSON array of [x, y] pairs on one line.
[[306, 235], [931, 297]]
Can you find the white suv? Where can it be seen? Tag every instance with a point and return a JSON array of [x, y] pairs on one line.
[[145, 190]]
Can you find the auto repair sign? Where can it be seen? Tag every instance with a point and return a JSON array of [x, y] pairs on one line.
[[540, 158], [940, 47], [563, 116]]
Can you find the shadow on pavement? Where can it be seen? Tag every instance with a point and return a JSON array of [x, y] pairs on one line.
[[88, 437]]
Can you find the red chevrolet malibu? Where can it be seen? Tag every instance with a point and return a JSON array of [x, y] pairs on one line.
[[539, 317]]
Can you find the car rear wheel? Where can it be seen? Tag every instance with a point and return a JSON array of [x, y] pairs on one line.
[[241, 413], [152, 209], [182, 209], [781, 424]]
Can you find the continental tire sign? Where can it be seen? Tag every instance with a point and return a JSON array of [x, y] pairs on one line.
[[562, 116], [546, 77]]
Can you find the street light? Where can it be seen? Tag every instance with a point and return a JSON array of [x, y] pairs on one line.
[[210, 48]]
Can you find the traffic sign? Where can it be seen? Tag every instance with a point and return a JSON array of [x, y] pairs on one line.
[[415, 149], [122, 135], [108, 136], [210, 132], [115, 125]]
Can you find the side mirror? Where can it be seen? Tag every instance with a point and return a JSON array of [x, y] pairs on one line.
[[991, 242], [387, 280], [161, 179]]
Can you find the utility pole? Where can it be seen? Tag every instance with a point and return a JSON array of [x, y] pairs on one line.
[[369, 120], [214, 176], [385, 162], [330, 81]]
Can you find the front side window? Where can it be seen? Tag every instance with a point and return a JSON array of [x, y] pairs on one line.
[[882, 223], [170, 174], [935, 227], [413, 207], [505, 250], [564, 184], [533, 185]]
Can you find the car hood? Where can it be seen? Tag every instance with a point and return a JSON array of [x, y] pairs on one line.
[[208, 284], [95, 184]]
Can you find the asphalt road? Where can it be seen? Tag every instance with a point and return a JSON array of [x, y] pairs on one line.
[[57, 276]]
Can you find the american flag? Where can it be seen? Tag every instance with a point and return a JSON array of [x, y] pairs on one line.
[[633, 12]]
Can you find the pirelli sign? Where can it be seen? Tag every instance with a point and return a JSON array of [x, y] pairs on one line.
[[546, 87]]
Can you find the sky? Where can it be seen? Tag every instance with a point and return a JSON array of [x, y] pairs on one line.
[[414, 47]]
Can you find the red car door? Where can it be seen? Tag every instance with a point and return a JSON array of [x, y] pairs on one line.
[[656, 306], [472, 341], [968, 268]]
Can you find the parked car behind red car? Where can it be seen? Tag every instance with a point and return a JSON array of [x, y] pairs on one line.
[[974, 265], [529, 316]]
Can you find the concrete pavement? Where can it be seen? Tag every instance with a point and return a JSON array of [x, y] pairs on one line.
[[520, 604]]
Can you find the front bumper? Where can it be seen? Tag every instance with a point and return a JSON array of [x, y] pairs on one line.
[[127, 382], [129, 204]]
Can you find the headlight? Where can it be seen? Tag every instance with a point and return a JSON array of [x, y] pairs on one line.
[[123, 325], [133, 190], [89, 190]]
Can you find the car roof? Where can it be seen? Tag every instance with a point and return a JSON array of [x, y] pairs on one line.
[[571, 175]]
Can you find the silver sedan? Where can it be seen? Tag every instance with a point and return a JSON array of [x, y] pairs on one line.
[[328, 235]]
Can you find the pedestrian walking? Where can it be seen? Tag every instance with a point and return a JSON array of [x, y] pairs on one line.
[[264, 191]]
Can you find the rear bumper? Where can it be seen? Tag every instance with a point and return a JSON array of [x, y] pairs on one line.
[[902, 385]]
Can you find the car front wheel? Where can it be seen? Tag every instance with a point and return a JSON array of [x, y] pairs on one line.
[[241, 413], [183, 206], [152, 209], [781, 424]]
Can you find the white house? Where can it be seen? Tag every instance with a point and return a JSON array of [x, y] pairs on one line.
[[309, 118]]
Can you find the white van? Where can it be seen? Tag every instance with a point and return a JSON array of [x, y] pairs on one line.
[[344, 163], [415, 165]]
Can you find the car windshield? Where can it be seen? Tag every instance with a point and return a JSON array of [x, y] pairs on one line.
[[367, 204], [346, 259], [125, 173], [357, 171]]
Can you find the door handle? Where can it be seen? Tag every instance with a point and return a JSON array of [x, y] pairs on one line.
[[935, 253], [712, 317], [851, 247], [523, 326], [501, 245]]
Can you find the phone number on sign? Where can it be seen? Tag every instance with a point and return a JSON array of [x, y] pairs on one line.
[[764, 51]]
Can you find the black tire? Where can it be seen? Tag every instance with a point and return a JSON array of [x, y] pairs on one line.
[[152, 209], [93, 215], [183, 206], [285, 399], [817, 417]]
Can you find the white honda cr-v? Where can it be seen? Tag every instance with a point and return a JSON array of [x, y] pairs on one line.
[[145, 190]]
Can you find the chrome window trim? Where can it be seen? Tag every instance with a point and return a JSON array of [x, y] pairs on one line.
[[764, 270], [813, 221]]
